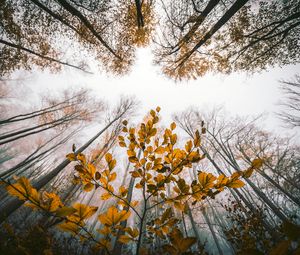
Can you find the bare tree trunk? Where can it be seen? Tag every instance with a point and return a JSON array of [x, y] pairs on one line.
[[206, 217]]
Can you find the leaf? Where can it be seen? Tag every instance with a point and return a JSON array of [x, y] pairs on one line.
[[257, 163], [113, 216], [71, 157], [52, 201], [108, 157], [122, 144], [236, 184], [97, 176], [84, 211], [105, 196], [133, 232], [88, 187], [166, 215], [186, 243], [139, 186], [23, 190], [112, 164], [81, 158], [153, 132], [134, 203], [69, 227], [123, 191], [173, 139], [206, 180], [65, 211], [91, 169], [158, 109], [133, 159], [188, 146], [197, 139], [248, 173], [124, 239], [159, 150], [131, 153], [173, 125], [113, 176]]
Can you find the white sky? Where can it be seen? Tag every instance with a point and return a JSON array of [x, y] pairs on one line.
[[239, 93]]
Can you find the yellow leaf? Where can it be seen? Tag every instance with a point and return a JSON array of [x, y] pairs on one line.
[[81, 157], [91, 169], [65, 211], [158, 109], [173, 125], [71, 157], [257, 163], [84, 211], [173, 139], [122, 144], [197, 139], [153, 132], [68, 227], [152, 113], [105, 196], [123, 191], [124, 239], [133, 159], [188, 146], [113, 216], [248, 173], [52, 201], [139, 186], [159, 150], [235, 176], [22, 190], [104, 231], [236, 184], [88, 187], [112, 164], [134, 203], [131, 153], [108, 157], [206, 180], [113, 176]]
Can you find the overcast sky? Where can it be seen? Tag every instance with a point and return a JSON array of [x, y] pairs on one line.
[[239, 93]]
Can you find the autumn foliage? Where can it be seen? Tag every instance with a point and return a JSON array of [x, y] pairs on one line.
[[158, 166]]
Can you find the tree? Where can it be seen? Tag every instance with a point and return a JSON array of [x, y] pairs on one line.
[[244, 37], [291, 102], [109, 30], [162, 164], [125, 107]]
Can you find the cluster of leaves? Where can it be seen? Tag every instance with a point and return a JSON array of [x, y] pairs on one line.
[[32, 241], [158, 166], [249, 235], [37, 239]]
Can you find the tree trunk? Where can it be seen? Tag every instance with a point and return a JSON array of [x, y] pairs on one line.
[[14, 203]]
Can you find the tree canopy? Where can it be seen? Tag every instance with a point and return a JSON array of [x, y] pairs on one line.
[[189, 38]]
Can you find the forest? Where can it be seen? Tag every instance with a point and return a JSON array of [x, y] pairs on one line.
[[103, 154]]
